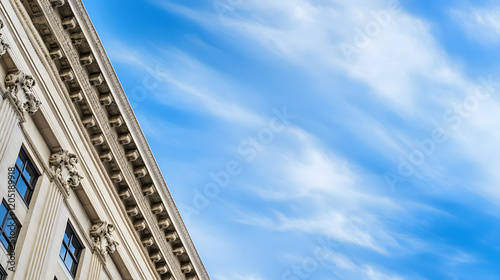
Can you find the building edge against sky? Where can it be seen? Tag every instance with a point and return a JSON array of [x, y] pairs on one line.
[[82, 196]]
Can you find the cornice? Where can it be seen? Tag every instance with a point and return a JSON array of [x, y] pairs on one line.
[[101, 117], [138, 135]]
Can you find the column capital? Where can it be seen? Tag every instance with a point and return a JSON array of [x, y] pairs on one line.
[[19, 89], [63, 169], [103, 241]]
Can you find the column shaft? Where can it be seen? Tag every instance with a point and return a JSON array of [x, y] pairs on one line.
[[39, 258], [8, 121], [95, 267]]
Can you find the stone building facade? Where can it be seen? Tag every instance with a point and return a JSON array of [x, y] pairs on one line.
[[82, 196]]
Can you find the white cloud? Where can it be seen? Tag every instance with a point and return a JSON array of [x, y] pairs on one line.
[[393, 63], [482, 24], [334, 200], [176, 78], [345, 268]]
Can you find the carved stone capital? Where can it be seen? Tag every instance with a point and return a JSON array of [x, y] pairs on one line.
[[4, 47], [63, 167], [20, 89], [102, 238]]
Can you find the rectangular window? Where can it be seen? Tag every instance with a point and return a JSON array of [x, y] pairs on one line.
[[25, 176], [71, 250], [9, 227]]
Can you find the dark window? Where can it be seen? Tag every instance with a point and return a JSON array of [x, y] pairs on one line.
[[9, 227], [3, 273], [25, 176], [71, 250]]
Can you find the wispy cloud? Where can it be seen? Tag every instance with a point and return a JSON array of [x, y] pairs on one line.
[[370, 82], [394, 62], [176, 78], [480, 23]]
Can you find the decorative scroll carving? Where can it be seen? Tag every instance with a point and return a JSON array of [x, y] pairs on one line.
[[157, 208], [26, 102], [179, 250], [57, 3], [140, 172], [164, 223], [96, 79], [116, 121], [101, 234], [67, 75], [86, 59], [4, 47], [132, 155], [116, 177], [56, 54], [76, 96], [140, 225], [161, 268], [106, 99], [147, 241], [97, 139], [186, 267], [132, 211], [69, 23], [148, 190], [155, 256], [171, 236], [63, 167], [124, 193]]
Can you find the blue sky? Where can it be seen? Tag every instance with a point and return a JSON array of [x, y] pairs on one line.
[[321, 139]]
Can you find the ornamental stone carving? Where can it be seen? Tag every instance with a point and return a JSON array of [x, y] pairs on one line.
[[20, 88], [4, 47], [57, 3], [63, 167], [101, 234]]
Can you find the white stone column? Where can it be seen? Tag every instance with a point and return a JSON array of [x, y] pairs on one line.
[[39, 253], [8, 121], [96, 265], [18, 98]]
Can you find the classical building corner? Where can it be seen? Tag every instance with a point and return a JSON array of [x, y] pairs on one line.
[[80, 185]]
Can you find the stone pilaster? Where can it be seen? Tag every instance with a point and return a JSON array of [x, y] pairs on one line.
[[17, 100], [8, 121], [39, 253], [96, 265]]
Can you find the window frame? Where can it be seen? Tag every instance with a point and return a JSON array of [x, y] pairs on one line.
[[3, 227], [30, 186], [3, 273], [67, 251]]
